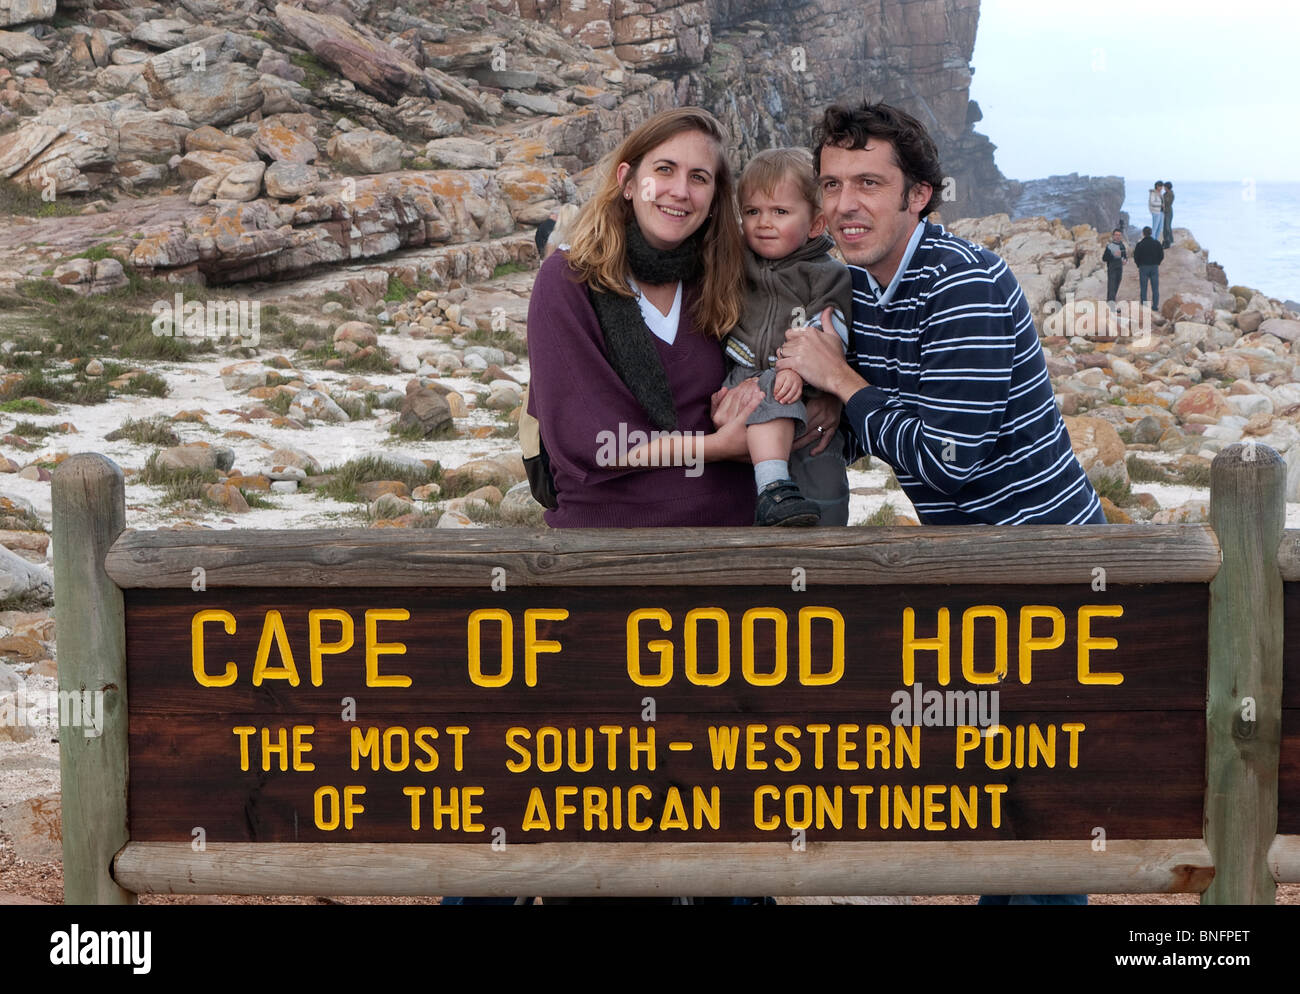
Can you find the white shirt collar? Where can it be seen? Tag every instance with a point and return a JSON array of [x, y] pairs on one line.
[[664, 326], [912, 243]]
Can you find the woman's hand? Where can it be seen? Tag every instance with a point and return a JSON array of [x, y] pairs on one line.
[[740, 401], [730, 409], [823, 418]]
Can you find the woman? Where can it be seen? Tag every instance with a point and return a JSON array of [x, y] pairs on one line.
[[623, 338]]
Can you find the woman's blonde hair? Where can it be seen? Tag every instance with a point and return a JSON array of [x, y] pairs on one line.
[[597, 250]]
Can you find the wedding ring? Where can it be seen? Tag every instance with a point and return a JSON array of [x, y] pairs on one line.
[[820, 429]]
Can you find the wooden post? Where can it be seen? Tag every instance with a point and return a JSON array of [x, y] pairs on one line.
[[89, 513], [1244, 703]]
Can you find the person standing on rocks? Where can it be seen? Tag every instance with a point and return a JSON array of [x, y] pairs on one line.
[[1147, 255], [1156, 204], [1168, 239], [1114, 255]]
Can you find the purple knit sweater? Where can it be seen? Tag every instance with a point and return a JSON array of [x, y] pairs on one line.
[[576, 396]]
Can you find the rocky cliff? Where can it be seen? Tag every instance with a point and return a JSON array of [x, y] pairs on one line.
[[768, 69], [323, 132]]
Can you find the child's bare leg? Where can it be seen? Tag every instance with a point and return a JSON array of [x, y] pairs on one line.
[[769, 450], [770, 440]]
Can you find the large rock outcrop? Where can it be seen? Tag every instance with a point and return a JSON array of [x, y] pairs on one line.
[[767, 70]]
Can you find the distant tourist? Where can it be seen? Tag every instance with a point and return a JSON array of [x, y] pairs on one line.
[[1114, 255], [1168, 239], [1148, 255], [564, 219], [543, 234], [1156, 204]]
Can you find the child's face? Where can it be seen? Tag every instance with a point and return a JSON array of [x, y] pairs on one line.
[[776, 225]]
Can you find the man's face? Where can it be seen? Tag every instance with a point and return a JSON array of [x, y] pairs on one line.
[[1116, 237], [868, 212]]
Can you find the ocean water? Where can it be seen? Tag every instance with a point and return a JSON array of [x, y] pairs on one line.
[[1251, 229]]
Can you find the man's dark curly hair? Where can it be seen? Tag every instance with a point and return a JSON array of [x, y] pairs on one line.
[[914, 150]]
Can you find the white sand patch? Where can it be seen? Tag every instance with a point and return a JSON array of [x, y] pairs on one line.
[[196, 385]]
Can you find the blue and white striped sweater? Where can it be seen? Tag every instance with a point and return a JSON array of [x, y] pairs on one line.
[[959, 402]]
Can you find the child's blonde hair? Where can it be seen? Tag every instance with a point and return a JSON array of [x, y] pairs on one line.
[[766, 171]]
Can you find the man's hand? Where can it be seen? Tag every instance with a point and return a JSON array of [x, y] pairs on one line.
[[787, 387], [823, 418], [818, 357]]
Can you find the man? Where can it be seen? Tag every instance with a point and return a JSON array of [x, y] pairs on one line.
[[944, 378], [1114, 255], [1168, 239], [1147, 255]]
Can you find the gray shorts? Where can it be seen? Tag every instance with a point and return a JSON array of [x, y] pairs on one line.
[[769, 409]]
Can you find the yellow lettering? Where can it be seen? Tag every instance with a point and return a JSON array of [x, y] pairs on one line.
[[273, 627], [661, 646], [766, 824], [968, 619], [807, 615], [375, 648], [196, 649], [912, 644], [777, 617], [753, 747], [244, 731], [1088, 642], [1029, 644], [533, 646], [719, 619], [317, 649]]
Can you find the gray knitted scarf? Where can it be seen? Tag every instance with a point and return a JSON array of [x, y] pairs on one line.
[[630, 344]]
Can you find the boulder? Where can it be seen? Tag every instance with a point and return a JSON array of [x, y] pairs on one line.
[[502, 472], [17, 46], [316, 405], [358, 332], [244, 375], [23, 11], [1287, 330], [290, 180], [281, 144], [35, 828], [224, 495], [460, 153], [180, 457], [242, 183], [1099, 449], [366, 151], [1202, 399], [298, 458], [19, 577], [426, 409], [222, 93]]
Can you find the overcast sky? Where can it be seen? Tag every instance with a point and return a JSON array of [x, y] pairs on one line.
[[1193, 90]]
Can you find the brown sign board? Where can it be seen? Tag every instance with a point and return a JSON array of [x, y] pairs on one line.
[[671, 713]]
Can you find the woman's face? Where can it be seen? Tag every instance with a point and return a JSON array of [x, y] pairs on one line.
[[672, 190]]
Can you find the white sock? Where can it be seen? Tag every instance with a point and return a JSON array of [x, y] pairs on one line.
[[769, 471]]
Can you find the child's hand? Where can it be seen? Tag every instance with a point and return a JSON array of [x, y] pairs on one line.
[[787, 387]]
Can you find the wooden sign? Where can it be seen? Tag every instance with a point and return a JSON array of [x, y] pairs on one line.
[[667, 713]]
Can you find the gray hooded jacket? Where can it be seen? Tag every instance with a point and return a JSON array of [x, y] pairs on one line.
[[807, 278]]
